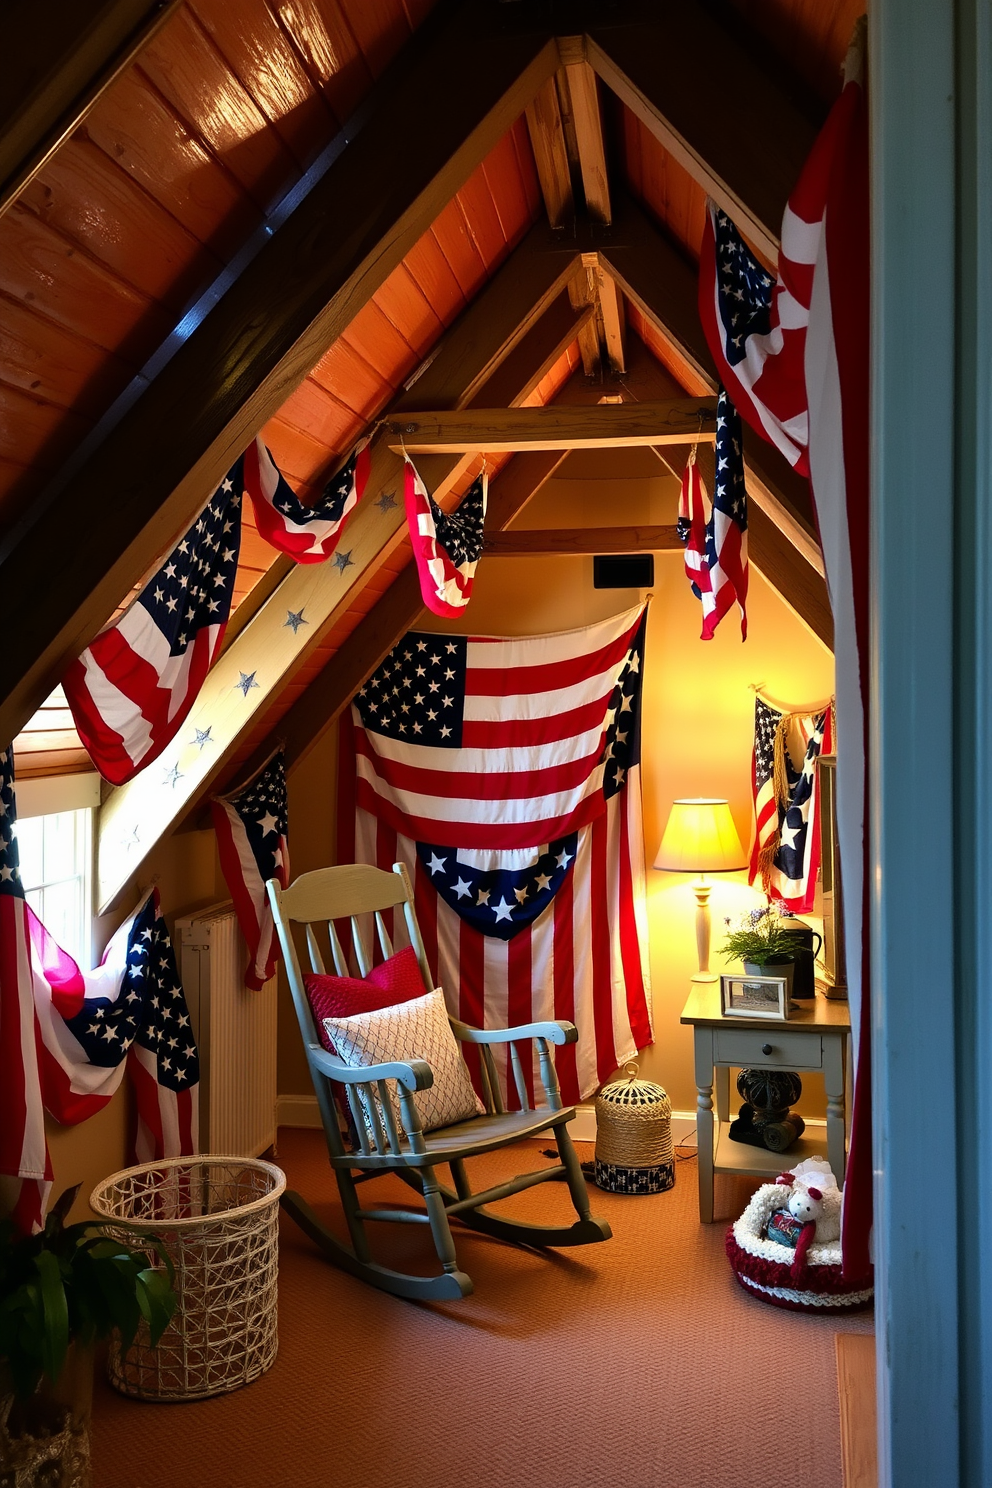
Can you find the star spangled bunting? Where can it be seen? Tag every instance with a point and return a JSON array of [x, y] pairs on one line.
[[446, 546], [252, 837], [309, 534], [132, 689], [726, 568], [499, 899]]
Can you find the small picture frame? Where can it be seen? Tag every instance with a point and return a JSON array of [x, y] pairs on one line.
[[745, 996]]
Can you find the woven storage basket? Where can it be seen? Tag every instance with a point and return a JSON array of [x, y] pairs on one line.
[[634, 1137], [218, 1218], [764, 1267]]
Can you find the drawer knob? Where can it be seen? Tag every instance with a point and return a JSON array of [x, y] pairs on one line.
[[766, 1048]]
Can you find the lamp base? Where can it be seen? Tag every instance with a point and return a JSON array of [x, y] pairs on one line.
[[705, 976]]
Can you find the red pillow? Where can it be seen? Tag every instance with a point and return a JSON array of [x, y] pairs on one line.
[[396, 980]]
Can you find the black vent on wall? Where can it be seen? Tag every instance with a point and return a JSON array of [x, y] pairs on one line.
[[623, 571]]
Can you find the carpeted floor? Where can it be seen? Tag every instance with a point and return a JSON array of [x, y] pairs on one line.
[[637, 1363]]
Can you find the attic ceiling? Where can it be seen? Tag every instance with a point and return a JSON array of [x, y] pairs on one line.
[[162, 298]]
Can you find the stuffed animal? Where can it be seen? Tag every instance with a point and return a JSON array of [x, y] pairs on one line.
[[815, 1200]]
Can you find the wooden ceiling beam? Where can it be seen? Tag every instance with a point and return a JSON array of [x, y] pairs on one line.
[[58, 59], [499, 430], [547, 139], [235, 359], [564, 542], [739, 132], [399, 610]]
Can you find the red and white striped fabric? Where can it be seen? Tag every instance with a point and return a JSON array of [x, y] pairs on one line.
[[692, 519], [309, 534], [584, 959], [79, 1031], [446, 546], [132, 688], [252, 838], [804, 384], [485, 742]]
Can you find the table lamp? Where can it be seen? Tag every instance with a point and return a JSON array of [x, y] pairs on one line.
[[701, 838]]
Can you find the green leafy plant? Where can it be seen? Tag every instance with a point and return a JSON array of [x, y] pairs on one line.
[[759, 937], [72, 1283]]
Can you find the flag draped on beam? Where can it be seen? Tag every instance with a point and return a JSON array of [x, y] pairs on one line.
[[446, 545], [799, 370], [785, 853], [715, 535], [251, 828], [692, 523], [309, 534], [131, 690], [67, 1035], [506, 775]]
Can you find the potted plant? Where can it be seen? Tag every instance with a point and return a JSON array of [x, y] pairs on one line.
[[61, 1291], [762, 942]]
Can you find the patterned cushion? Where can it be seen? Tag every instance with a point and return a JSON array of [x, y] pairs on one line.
[[396, 980], [418, 1029]]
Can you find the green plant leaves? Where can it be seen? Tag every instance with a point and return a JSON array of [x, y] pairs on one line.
[[74, 1281]]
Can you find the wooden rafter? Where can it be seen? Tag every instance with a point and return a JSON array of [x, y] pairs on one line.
[[272, 646], [361, 207], [497, 430], [58, 59], [741, 135]]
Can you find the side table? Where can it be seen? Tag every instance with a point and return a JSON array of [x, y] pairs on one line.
[[814, 1038]]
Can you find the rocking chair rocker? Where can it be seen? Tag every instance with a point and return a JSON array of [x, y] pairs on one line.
[[351, 891]]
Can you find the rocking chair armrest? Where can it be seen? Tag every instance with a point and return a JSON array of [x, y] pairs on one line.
[[414, 1074], [556, 1033]]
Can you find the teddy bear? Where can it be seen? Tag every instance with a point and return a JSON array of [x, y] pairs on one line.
[[815, 1200]]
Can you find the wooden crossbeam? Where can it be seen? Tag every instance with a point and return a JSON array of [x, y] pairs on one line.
[[399, 610], [588, 125], [272, 646], [563, 542], [238, 356], [497, 430], [741, 136], [58, 59]]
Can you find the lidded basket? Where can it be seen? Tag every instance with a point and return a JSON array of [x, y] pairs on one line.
[[634, 1136]]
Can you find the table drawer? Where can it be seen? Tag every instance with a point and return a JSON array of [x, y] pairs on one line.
[[746, 1046]]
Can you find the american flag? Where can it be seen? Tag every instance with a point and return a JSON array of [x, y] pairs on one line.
[[131, 689], [252, 829], [723, 578], [759, 353], [785, 853], [804, 384], [506, 775], [446, 545], [692, 523], [66, 1035], [309, 534]]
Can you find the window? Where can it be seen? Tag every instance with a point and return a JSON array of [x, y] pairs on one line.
[[56, 870]]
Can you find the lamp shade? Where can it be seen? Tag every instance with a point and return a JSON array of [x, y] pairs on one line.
[[700, 838]]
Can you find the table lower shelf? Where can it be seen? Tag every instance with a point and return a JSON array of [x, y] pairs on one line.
[[758, 1162]]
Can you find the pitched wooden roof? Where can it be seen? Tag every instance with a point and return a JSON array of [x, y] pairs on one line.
[[276, 213]]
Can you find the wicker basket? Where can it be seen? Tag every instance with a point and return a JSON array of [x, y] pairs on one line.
[[634, 1137], [218, 1218]]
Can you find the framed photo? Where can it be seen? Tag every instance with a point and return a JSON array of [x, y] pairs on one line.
[[755, 997]]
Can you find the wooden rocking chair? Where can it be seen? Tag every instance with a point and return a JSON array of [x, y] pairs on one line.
[[349, 892]]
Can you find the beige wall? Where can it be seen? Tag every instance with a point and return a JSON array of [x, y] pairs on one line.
[[697, 733]]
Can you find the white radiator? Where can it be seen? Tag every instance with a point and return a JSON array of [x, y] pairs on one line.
[[236, 1033]]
